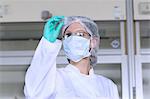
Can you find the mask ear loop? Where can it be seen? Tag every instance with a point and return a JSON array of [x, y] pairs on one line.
[[91, 48], [93, 58], [93, 43]]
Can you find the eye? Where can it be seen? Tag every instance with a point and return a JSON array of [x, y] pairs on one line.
[[80, 34], [67, 35]]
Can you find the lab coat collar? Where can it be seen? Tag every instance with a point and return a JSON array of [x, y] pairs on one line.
[[74, 69]]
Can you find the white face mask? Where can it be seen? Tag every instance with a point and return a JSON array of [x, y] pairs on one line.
[[76, 48]]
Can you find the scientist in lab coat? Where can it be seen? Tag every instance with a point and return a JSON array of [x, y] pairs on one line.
[[80, 40]]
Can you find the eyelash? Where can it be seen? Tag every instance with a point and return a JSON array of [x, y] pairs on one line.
[[67, 35]]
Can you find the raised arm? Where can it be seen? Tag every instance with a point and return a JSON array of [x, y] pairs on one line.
[[41, 75]]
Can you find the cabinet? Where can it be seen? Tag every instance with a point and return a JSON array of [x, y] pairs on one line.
[[142, 55], [142, 59], [30, 10], [141, 9]]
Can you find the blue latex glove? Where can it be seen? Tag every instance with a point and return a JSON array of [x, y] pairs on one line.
[[53, 27]]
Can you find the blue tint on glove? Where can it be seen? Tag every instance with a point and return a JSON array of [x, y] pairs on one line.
[[53, 27]]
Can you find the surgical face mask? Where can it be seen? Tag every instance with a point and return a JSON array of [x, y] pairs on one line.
[[76, 48]]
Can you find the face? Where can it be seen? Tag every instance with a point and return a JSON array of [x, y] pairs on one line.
[[76, 29]]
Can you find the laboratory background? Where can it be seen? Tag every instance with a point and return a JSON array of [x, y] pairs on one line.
[[124, 54]]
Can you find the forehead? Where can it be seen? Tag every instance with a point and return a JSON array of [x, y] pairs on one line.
[[75, 27]]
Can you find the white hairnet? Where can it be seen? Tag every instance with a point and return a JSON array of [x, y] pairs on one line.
[[91, 28]]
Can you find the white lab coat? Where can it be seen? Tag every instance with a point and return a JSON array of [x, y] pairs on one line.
[[44, 81]]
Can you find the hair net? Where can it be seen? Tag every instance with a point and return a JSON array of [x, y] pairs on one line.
[[91, 28]]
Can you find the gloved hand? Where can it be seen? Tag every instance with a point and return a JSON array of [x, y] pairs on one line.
[[52, 28]]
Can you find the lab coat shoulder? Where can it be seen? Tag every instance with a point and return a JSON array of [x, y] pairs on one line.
[[109, 86], [41, 75]]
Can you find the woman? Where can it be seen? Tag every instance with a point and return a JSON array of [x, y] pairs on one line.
[[77, 80]]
